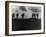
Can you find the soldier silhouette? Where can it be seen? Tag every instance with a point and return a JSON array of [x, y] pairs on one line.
[[22, 16], [33, 15], [17, 15], [37, 16], [13, 15]]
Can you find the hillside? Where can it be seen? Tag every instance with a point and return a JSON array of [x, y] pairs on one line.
[[26, 24]]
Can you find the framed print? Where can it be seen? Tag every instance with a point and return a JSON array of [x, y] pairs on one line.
[[24, 18]]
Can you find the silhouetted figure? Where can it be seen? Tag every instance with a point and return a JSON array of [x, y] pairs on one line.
[[37, 16], [13, 15], [17, 15], [22, 15], [33, 15]]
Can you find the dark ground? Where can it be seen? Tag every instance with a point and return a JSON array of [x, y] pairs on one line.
[[26, 24]]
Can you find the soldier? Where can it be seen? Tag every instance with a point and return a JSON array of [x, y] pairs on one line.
[[22, 16], [37, 16], [13, 15], [33, 15], [17, 15]]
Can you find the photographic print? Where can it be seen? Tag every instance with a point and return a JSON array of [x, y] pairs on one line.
[[24, 18]]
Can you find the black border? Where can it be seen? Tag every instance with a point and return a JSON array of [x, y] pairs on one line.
[[7, 17]]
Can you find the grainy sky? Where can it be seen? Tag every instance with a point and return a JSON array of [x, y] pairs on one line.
[[27, 10]]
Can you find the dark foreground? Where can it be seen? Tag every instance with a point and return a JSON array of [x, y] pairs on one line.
[[26, 24]]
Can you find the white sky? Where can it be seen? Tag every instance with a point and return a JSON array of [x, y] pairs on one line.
[[28, 13]]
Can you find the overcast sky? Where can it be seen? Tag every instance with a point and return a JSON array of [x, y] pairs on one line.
[[27, 10]]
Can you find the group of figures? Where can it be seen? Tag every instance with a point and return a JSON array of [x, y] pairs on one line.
[[17, 15], [33, 15]]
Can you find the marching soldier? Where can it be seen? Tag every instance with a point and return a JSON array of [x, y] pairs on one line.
[[22, 16], [17, 15]]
